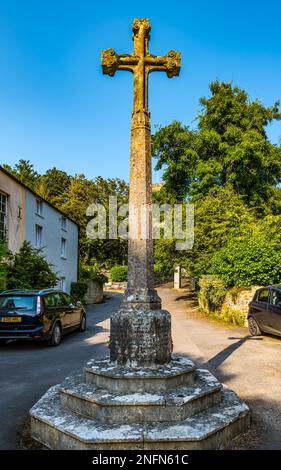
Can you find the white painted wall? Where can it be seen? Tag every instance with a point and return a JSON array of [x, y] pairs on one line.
[[52, 233]]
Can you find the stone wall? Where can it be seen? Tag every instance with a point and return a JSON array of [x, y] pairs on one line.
[[94, 293], [115, 286], [239, 299], [229, 306]]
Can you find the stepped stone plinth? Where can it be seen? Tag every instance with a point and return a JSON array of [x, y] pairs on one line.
[[165, 407]]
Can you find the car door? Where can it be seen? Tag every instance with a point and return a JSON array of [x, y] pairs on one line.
[[73, 312], [275, 311], [49, 311], [260, 308], [61, 310]]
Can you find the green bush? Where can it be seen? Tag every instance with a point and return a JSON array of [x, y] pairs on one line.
[[247, 262], [78, 290], [28, 269], [229, 316], [232, 316], [162, 272], [212, 293], [119, 273], [4, 260], [91, 273]]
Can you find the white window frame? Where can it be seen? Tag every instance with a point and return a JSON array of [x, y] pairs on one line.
[[63, 222], [38, 236], [39, 207], [63, 247]]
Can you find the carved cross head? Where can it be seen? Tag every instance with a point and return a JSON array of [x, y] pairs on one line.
[[141, 63]]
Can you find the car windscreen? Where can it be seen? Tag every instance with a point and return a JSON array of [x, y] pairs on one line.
[[18, 304]]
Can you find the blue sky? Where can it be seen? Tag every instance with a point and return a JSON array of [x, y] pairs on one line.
[[56, 107]]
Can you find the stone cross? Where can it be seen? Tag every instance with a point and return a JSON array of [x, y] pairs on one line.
[[140, 298]]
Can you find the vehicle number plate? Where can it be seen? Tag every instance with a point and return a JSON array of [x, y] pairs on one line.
[[11, 319]]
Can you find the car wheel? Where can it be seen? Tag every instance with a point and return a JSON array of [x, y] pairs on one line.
[[253, 327], [83, 324], [56, 335]]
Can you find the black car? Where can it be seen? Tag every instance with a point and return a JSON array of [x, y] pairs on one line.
[[44, 315], [265, 311]]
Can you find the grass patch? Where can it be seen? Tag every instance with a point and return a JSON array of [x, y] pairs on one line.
[[227, 316]]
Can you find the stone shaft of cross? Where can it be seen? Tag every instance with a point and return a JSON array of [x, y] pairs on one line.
[[140, 63], [140, 295]]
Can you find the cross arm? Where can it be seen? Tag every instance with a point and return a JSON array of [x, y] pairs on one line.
[[170, 63], [111, 62]]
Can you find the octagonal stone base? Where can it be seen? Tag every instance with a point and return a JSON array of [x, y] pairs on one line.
[[179, 407]]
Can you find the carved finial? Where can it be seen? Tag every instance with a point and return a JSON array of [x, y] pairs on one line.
[[173, 63], [141, 25], [109, 61]]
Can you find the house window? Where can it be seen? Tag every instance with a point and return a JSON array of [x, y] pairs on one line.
[[63, 223], [63, 248], [39, 207], [3, 216], [38, 236]]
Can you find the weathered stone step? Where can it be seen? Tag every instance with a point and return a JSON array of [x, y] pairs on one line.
[[59, 428], [173, 405], [212, 429], [104, 374]]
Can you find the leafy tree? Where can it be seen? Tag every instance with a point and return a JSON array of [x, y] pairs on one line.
[[24, 171], [175, 150], [228, 169], [229, 148], [78, 197], [30, 270], [53, 185], [5, 257], [219, 216]]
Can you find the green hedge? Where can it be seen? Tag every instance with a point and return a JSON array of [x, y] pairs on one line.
[[248, 262], [212, 293], [119, 273], [228, 316], [90, 273], [163, 272]]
